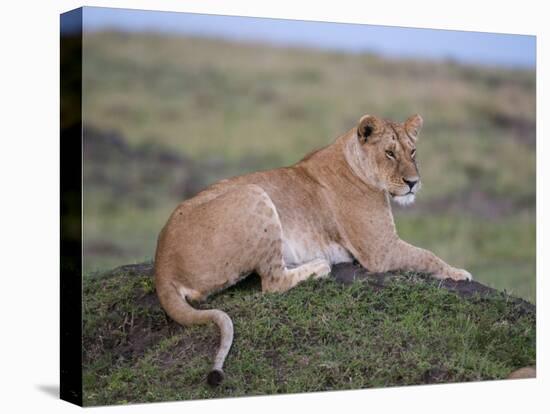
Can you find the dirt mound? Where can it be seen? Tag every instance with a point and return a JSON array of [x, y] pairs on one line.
[[347, 273], [365, 330], [150, 325]]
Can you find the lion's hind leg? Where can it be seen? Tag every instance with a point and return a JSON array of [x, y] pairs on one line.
[[281, 280], [276, 277]]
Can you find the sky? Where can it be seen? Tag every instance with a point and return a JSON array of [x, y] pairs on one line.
[[468, 47]]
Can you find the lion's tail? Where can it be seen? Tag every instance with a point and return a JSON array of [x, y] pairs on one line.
[[176, 306]]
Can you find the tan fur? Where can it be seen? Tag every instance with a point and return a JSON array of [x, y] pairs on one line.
[[290, 223]]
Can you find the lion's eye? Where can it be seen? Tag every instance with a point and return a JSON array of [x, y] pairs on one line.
[[390, 154]]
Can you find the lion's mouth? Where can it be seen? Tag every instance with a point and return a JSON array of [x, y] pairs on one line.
[[404, 199], [402, 195]]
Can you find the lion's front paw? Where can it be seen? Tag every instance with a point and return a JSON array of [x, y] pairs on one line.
[[460, 274], [455, 274]]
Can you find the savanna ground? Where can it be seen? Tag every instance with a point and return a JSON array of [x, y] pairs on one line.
[[322, 335], [166, 116]]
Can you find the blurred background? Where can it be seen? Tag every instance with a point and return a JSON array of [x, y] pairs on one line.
[[173, 102]]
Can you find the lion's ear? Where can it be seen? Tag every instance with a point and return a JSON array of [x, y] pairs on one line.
[[368, 125], [413, 125]]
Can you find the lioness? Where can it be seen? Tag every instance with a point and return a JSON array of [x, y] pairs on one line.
[[290, 223]]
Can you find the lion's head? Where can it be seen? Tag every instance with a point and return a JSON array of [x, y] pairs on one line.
[[385, 155]]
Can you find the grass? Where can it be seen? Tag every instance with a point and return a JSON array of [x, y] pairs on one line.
[[319, 336], [203, 96]]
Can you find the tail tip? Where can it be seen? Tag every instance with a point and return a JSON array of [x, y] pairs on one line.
[[215, 377]]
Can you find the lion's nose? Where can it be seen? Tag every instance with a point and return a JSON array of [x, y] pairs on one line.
[[411, 182]]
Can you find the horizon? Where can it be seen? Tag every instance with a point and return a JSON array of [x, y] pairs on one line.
[[487, 49]]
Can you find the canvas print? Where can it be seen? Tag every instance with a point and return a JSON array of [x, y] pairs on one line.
[[267, 206]]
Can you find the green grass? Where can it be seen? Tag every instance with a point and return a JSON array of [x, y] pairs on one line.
[[195, 94], [319, 336]]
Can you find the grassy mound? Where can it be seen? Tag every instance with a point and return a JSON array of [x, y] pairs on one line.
[[321, 335]]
